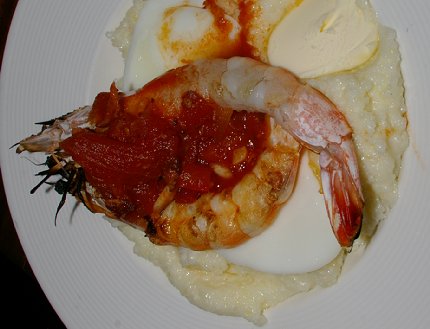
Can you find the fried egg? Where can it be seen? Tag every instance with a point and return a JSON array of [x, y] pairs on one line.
[[173, 32]]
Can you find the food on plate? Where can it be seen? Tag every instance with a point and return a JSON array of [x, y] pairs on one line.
[[372, 98], [151, 158], [369, 93]]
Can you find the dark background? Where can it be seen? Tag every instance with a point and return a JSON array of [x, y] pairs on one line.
[[25, 304]]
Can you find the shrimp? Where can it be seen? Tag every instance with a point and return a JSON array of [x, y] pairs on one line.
[[300, 116]]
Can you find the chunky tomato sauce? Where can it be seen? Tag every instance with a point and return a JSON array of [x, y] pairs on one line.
[[129, 159], [137, 150]]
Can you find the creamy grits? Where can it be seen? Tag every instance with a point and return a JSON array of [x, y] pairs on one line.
[[372, 98]]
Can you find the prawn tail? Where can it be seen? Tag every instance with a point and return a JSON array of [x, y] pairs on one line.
[[343, 196]]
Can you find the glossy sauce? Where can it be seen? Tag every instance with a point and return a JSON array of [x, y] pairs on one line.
[[130, 158]]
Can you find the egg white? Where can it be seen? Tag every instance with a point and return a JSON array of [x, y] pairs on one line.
[[300, 240]]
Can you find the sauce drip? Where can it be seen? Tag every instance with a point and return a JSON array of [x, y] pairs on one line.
[[248, 9], [131, 158], [241, 46]]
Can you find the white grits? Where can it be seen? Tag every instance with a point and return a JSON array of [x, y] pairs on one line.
[[372, 98]]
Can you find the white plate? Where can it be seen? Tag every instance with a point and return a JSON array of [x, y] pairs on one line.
[[57, 58]]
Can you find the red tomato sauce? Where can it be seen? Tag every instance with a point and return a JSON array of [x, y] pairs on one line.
[[134, 152], [129, 159]]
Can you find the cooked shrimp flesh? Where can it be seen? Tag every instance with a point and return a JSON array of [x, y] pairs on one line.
[[227, 217]]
